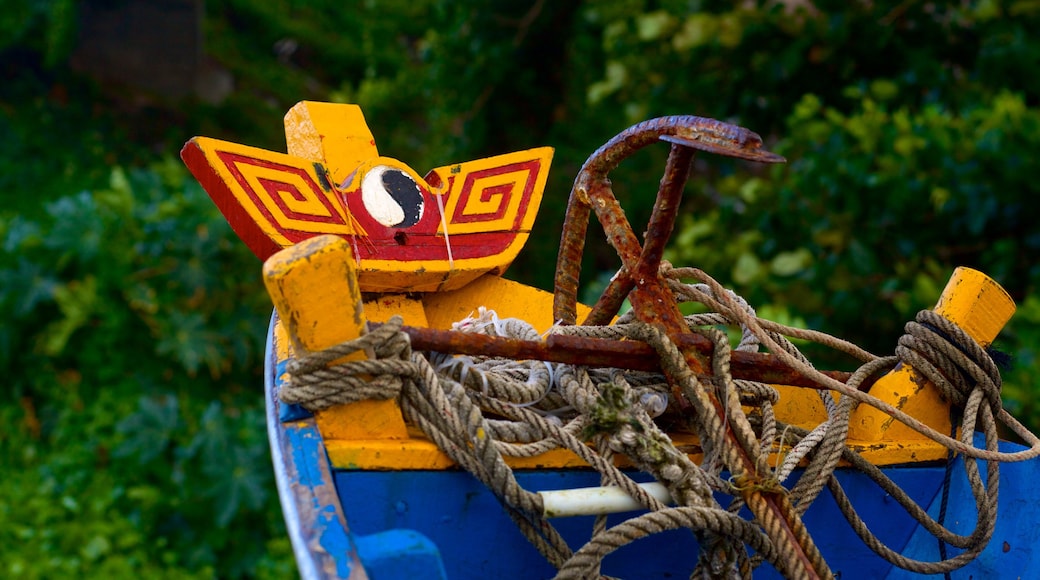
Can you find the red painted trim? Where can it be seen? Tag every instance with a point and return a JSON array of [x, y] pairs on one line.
[[531, 168], [421, 242], [241, 222], [432, 247], [232, 161]]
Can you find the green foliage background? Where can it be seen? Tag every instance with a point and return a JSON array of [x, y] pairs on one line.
[[132, 436]]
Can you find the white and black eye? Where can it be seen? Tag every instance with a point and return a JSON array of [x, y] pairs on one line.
[[392, 197]]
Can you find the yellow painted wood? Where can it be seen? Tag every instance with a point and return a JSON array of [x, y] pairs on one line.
[[499, 181], [495, 195], [418, 452], [899, 452], [347, 450], [282, 346], [316, 293], [971, 299], [478, 214], [510, 299], [507, 298], [421, 453], [238, 174], [799, 407], [384, 306], [333, 134], [977, 304]]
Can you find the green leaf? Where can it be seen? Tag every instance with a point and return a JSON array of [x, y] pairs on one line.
[[747, 268], [654, 25], [77, 300], [149, 432], [695, 31], [791, 263], [96, 548], [616, 76], [884, 89]]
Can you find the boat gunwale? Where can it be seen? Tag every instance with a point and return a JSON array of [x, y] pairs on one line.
[[300, 499]]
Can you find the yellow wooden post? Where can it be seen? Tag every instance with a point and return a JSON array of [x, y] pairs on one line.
[[977, 304], [315, 290], [333, 134]]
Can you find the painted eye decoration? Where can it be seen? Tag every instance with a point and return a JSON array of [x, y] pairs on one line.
[[392, 197]]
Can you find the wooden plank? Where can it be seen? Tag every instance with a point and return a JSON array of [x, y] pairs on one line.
[[323, 544]]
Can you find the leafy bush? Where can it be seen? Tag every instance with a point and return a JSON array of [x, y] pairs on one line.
[[137, 445], [133, 318], [877, 207], [907, 127]]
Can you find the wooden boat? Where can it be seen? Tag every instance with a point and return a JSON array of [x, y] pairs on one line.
[[361, 252]]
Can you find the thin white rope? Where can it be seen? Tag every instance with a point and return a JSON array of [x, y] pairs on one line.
[[444, 226]]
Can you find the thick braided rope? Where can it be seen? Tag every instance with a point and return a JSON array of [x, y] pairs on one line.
[[437, 410], [985, 494], [718, 522], [954, 356], [599, 461], [733, 403], [985, 498], [731, 310], [317, 385], [714, 429], [962, 370], [533, 416], [548, 430], [427, 411], [440, 407], [945, 354], [628, 430]]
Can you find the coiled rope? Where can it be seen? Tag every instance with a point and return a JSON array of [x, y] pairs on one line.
[[480, 410]]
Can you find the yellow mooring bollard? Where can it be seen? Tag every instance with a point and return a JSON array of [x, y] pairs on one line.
[[977, 304], [315, 290]]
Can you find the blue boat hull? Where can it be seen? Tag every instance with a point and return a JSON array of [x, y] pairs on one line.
[[445, 524]]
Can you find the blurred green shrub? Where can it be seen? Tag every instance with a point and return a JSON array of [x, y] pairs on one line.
[[875, 208], [908, 129], [137, 444], [133, 317]]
